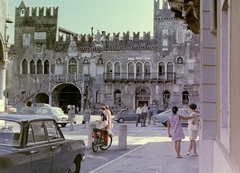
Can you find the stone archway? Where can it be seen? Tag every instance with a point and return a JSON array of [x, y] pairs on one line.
[[42, 98], [142, 97], [66, 94]]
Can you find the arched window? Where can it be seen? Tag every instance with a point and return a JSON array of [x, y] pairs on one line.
[[109, 70], [180, 35], [147, 69], [170, 71], [98, 96], [180, 60], [139, 69], [72, 66], [117, 96], [165, 41], [46, 67], [32, 67], [161, 69], [39, 67], [130, 70], [24, 67], [22, 12], [185, 99], [117, 69]]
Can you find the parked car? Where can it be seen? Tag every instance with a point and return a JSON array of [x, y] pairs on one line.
[[163, 116], [125, 115], [35, 143], [56, 113]]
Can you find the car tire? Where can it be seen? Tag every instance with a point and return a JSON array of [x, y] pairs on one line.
[[121, 120], [63, 125], [165, 124], [76, 166]]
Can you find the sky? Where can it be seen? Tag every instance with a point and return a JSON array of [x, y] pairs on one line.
[[80, 16]]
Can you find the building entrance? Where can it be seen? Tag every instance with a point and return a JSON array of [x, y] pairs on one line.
[[142, 97], [66, 94]]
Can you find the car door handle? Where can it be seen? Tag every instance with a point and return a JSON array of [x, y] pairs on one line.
[[34, 152], [53, 147]]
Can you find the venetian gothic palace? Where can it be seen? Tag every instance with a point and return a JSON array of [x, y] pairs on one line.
[[51, 64]]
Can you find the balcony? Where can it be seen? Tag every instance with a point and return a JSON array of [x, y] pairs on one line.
[[140, 77]]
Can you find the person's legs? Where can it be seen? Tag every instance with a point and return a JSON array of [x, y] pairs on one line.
[[144, 119], [194, 147], [137, 119], [71, 123], [178, 148], [190, 147]]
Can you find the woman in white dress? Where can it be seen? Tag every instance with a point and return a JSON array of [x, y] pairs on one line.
[[193, 133]]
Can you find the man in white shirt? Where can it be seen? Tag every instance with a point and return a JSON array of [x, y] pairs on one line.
[[144, 114], [139, 115]]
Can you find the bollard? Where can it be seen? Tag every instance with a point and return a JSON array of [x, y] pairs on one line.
[[90, 129], [122, 137]]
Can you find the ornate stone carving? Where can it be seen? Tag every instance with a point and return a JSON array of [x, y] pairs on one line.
[[188, 10]]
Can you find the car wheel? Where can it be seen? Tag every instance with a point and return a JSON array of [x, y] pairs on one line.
[[63, 125], [121, 120], [76, 166], [165, 124]]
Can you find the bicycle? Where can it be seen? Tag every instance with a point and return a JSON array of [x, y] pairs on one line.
[[101, 139]]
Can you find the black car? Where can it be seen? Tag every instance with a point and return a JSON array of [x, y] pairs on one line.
[[35, 143]]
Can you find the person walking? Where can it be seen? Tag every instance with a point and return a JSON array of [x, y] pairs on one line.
[[175, 129], [154, 112], [193, 133], [109, 120], [86, 116], [144, 114], [139, 115], [71, 116], [27, 109]]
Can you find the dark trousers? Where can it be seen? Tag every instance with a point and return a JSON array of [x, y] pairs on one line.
[[139, 119], [144, 116]]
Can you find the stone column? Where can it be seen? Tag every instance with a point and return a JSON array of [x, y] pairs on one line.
[[122, 137]]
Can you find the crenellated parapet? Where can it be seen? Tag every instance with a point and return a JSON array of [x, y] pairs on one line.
[[36, 16], [106, 42], [187, 10]]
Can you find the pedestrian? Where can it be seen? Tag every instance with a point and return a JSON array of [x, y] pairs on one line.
[[193, 133], [86, 116], [139, 115], [154, 112], [27, 109], [103, 118], [144, 114], [77, 109], [149, 115], [109, 120], [175, 129], [71, 116]]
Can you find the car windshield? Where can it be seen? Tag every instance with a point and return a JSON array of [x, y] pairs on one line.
[[9, 133], [58, 111]]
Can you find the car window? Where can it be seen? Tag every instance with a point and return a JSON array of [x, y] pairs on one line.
[[36, 132], [10, 133], [53, 131]]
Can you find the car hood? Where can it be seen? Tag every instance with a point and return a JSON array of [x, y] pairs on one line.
[[4, 151]]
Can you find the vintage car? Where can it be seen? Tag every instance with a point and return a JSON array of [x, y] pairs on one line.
[[35, 144], [125, 115], [54, 112]]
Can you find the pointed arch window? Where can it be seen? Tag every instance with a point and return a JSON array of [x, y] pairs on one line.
[[46, 67], [98, 96], [147, 69], [161, 70], [72, 66], [170, 71], [130, 70], [180, 35], [22, 12], [24, 67], [165, 42], [109, 70], [39, 67], [117, 69], [32, 67], [139, 69]]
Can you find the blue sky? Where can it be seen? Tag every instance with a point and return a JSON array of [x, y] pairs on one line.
[[112, 16]]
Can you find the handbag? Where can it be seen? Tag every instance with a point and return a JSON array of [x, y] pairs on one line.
[[83, 122], [194, 127]]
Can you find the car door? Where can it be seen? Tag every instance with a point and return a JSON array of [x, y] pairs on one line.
[[59, 148], [39, 148]]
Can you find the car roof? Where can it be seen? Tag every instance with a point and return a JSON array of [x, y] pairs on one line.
[[23, 117]]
